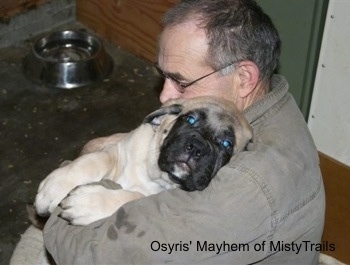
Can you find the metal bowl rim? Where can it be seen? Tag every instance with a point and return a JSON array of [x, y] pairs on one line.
[[91, 40]]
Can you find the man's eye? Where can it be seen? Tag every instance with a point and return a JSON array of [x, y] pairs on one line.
[[183, 84], [191, 120], [226, 143], [177, 81]]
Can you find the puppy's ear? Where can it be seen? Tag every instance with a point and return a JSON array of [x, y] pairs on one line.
[[156, 117], [243, 134]]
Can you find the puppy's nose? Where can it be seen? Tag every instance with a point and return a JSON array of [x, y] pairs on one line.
[[195, 148]]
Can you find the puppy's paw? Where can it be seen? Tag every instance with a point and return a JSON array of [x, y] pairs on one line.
[[52, 190], [89, 203]]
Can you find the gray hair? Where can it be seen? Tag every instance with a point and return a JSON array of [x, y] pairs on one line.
[[237, 30]]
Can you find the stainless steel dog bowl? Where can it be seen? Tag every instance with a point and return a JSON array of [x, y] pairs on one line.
[[68, 59]]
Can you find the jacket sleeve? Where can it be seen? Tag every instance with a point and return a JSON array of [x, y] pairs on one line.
[[224, 224]]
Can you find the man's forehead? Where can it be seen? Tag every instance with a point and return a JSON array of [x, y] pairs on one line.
[[183, 39]]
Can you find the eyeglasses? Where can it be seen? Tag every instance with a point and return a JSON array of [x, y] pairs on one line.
[[181, 86]]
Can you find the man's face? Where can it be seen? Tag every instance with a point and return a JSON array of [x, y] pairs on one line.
[[182, 55]]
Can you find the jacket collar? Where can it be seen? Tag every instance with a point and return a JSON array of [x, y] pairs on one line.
[[279, 89]]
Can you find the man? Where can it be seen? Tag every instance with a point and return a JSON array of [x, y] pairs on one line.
[[267, 206]]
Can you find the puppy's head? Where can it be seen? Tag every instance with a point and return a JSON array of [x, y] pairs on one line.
[[198, 137]]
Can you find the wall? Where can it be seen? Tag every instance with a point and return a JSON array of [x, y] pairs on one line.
[[301, 41], [329, 123], [329, 119], [337, 226], [8, 8], [20, 20], [132, 24]]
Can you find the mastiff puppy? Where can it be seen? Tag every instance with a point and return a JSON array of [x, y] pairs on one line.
[[183, 144]]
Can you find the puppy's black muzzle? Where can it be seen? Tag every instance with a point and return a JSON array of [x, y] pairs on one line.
[[191, 154], [196, 147], [193, 151]]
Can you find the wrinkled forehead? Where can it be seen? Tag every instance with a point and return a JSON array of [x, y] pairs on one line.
[[215, 116], [218, 111]]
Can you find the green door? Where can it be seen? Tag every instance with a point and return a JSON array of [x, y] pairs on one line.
[[300, 24]]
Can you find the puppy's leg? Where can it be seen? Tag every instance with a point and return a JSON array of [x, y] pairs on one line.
[[88, 168], [88, 203], [100, 143]]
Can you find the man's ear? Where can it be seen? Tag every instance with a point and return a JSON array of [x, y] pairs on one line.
[[248, 73]]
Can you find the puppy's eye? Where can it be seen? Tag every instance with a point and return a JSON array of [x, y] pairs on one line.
[[191, 120], [226, 143]]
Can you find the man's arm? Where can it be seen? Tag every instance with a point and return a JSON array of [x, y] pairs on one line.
[[230, 217]]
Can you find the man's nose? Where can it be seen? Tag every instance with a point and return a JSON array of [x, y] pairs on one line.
[[169, 91]]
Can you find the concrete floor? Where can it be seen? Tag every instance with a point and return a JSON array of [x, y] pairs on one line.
[[42, 126]]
